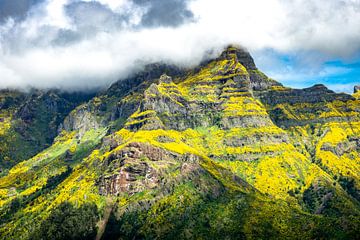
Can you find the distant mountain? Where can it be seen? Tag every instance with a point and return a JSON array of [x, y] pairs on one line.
[[220, 151]]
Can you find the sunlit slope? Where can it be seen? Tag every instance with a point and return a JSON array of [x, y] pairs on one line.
[[324, 126]]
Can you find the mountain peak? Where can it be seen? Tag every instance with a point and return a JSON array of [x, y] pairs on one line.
[[242, 55], [258, 80]]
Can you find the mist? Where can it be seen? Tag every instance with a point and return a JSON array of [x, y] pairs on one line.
[[82, 45]]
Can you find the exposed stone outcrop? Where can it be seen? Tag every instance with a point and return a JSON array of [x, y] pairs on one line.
[[290, 107], [237, 141], [342, 147], [81, 120], [258, 80], [140, 166]]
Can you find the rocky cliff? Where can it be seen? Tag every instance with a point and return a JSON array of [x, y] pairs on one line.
[[220, 151]]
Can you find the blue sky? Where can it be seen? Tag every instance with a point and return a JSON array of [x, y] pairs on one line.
[[299, 70], [84, 44]]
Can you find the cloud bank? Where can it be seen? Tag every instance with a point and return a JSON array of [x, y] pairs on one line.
[[72, 44]]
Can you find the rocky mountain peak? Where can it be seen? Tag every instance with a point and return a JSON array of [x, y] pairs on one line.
[[242, 56], [258, 80]]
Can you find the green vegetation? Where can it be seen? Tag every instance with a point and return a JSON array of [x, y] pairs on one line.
[[29, 121], [68, 222]]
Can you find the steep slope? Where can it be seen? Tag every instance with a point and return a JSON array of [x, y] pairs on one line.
[[29, 121], [325, 126], [217, 152]]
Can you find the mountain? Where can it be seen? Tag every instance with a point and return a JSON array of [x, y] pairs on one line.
[[29, 121], [219, 151]]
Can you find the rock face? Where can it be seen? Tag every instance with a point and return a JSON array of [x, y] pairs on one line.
[[80, 119], [140, 166], [289, 107], [314, 94]]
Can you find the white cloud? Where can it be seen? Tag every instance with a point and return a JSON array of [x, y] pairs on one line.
[[30, 53]]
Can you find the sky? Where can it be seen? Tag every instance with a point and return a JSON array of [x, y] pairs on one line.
[[87, 44]]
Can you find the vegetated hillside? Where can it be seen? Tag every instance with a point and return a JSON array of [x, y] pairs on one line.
[[29, 121], [217, 152]]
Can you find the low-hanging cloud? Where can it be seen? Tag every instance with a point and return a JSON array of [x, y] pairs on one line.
[[72, 44]]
